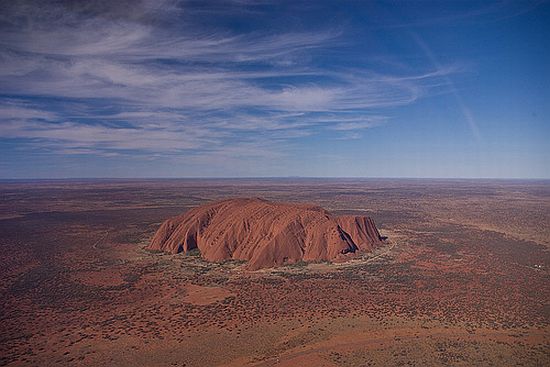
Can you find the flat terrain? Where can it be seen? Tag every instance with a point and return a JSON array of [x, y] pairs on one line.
[[463, 281]]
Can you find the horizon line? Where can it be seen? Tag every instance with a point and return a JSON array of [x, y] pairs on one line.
[[271, 177]]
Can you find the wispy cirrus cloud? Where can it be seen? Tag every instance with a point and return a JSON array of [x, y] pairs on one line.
[[91, 77]]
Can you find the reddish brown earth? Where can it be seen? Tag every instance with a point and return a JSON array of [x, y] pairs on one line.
[[266, 234], [463, 279]]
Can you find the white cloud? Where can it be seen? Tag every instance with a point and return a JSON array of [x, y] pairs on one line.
[[179, 87]]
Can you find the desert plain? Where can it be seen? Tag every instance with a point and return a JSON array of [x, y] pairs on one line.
[[462, 280]]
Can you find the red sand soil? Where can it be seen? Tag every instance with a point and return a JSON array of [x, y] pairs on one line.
[[103, 278], [199, 295], [442, 292], [266, 234]]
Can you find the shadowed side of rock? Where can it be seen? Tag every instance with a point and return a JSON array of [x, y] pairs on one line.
[[362, 229]]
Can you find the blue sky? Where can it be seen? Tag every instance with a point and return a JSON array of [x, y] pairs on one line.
[[270, 88]]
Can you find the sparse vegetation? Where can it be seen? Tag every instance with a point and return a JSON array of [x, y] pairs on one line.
[[443, 293]]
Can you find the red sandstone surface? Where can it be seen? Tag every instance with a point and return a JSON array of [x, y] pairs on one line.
[[266, 234]]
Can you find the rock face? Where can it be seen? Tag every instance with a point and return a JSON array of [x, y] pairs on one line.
[[266, 234]]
